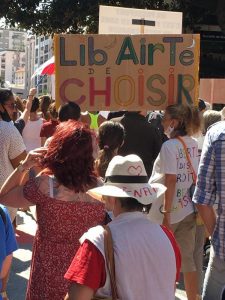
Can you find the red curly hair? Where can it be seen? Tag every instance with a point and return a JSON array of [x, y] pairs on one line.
[[70, 156]]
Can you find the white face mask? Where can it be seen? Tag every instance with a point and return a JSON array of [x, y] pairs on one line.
[[168, 131]]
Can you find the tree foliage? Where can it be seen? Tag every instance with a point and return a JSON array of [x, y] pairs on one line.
[[78, 16]]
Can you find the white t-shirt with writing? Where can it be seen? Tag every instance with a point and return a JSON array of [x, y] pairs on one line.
[[172, 160]]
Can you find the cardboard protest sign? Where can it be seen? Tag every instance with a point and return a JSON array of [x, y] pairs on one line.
[[123, 20], [131, 72]]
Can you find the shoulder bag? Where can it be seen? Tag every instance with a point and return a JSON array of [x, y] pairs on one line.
[[110, 263], [192, 187]]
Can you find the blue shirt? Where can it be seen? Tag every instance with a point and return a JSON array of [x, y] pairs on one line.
[[211, 182], [7, 239]]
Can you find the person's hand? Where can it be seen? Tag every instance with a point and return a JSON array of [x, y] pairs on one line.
[[30, 98], [33, 158], [32, 92]]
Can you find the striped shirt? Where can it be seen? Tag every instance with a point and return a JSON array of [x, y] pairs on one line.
[[210, 188]]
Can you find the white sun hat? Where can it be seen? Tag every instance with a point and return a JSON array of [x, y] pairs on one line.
[[126, 177]]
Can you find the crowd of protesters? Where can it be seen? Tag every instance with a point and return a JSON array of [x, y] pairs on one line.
[[124, 203]]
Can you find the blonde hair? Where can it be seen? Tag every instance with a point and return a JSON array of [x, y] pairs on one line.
[[210, 117], [188, 119]]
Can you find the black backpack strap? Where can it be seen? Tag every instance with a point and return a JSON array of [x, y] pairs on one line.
[[2, 214]]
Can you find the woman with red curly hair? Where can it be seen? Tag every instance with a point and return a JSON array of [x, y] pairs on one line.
[[64, 210]]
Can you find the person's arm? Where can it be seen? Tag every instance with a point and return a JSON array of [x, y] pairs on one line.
[[209, 217], [11, 193], [26, 113], [16, 161], [79, 292], [170, 183], [10, 246], [43, 140], [6, 266], [4, 275]]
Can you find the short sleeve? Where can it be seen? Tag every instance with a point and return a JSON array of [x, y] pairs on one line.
[[16, 145], [87, 267], [168, 159], [31, 191]]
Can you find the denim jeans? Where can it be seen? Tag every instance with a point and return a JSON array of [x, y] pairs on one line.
[[214, 282]]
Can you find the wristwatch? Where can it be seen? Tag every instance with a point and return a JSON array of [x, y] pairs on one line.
[[21, 167]]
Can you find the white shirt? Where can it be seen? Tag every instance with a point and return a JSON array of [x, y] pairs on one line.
[[31, 134], [145, 261], [11, 146], [172, 160]]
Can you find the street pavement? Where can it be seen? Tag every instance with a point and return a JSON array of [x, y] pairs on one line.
[[20, 270]]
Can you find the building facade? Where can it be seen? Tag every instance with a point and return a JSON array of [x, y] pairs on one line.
[[43, 52], [11, 39], [12, 55], [10, 62]]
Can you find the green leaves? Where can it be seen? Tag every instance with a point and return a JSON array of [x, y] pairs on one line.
[[78, 16]]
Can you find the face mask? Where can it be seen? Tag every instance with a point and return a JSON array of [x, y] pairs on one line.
[[168, 131]]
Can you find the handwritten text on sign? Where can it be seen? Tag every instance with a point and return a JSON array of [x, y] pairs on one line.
[[114, 72]]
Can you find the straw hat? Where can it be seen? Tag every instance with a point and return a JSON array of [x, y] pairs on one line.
[[126, 177]]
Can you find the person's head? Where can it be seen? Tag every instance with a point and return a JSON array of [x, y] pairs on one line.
[[53, 111], [210, 117], [8, 105], [126, 186], [181, 120], [69, 156], [69, 110], [45, 102], [110, 138], [201, 105], [19, 104], [35, 105]]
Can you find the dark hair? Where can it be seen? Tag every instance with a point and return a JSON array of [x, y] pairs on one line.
[[70, 156], [45, 102], [111, 136], [201, 104], [35, 105], [68, 111], [53, 111], [5, 94], [19, 104], [188, 119], [132, 204]]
